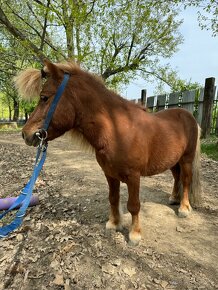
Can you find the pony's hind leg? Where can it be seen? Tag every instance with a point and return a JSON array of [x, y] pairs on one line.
[[133, 206], [175, 196], [114, 222], [186, 178]]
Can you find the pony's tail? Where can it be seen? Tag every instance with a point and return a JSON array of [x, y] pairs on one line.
[[196, 191]]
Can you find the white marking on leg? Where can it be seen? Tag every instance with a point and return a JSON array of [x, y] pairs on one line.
[[110, 224], [134, 238], [184, 212]]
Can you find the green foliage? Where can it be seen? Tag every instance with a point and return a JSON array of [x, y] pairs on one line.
[[132, 37], [210, 148], [10, 129], [4, 113], [27, 107], [116, 39]]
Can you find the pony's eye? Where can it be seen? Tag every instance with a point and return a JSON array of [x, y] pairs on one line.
[[44, 98]]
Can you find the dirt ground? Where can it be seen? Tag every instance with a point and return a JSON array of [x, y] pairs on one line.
[[63, 243]]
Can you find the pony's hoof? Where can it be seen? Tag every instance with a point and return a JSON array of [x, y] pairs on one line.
[[111, 226], [134, 238], [173, 200], [183, 213]]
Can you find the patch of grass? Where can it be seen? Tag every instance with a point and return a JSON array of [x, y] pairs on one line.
[[10, 130], [210, 148]]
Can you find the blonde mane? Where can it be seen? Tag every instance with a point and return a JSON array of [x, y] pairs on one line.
[[79, 141], [29, 82]]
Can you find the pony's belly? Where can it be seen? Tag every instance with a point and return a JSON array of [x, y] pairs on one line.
[[154, 171], [160, 165]]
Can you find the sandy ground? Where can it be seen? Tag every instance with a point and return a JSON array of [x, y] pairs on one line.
[[63, 243]]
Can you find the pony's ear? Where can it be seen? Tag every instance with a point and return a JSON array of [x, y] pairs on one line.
[[50, 68]]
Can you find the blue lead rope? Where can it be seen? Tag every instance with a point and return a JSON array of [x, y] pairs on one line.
[[24, 197], [55, 101], [26, 193]]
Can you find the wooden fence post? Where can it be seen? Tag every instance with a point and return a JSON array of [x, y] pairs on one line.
[[143, 97], [209, 94]]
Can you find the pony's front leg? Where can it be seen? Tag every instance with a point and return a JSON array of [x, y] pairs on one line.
[[114, 222], [133, 206]]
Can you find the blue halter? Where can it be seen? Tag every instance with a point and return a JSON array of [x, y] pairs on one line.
[[24, 198]]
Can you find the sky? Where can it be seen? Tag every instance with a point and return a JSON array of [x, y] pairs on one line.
[[196, 59]]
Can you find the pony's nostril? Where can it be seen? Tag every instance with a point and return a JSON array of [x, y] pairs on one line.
[[22, 135]]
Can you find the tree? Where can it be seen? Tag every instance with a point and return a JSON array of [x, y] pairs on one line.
[[119, 40], [27, 108], [174, 82], [12, 59], [8, 96], [207, 13]]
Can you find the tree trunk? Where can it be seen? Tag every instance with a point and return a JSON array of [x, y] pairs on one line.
[[16, 111], [10, 112]]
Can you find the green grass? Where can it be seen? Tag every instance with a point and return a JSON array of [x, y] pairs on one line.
[[10, 130], [210, 147]]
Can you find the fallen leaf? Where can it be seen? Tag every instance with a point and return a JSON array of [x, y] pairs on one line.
[[129, 271], [59, 279]]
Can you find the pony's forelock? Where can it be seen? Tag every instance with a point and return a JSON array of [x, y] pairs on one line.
[[29, 83]]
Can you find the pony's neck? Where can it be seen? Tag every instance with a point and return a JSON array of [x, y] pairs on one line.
[[94, 120]]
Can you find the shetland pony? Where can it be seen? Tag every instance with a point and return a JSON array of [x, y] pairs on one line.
[[128, 141]]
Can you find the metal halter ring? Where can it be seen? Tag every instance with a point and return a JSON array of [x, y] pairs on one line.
[[42, 134]]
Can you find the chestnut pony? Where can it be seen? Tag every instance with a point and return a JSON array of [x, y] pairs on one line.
[[128, 141]]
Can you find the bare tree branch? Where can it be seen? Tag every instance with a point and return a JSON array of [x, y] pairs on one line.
[[91, 9], [40, 3], [130, 49], [109, 72], [45, 25], [129, 65], [158, 76]]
